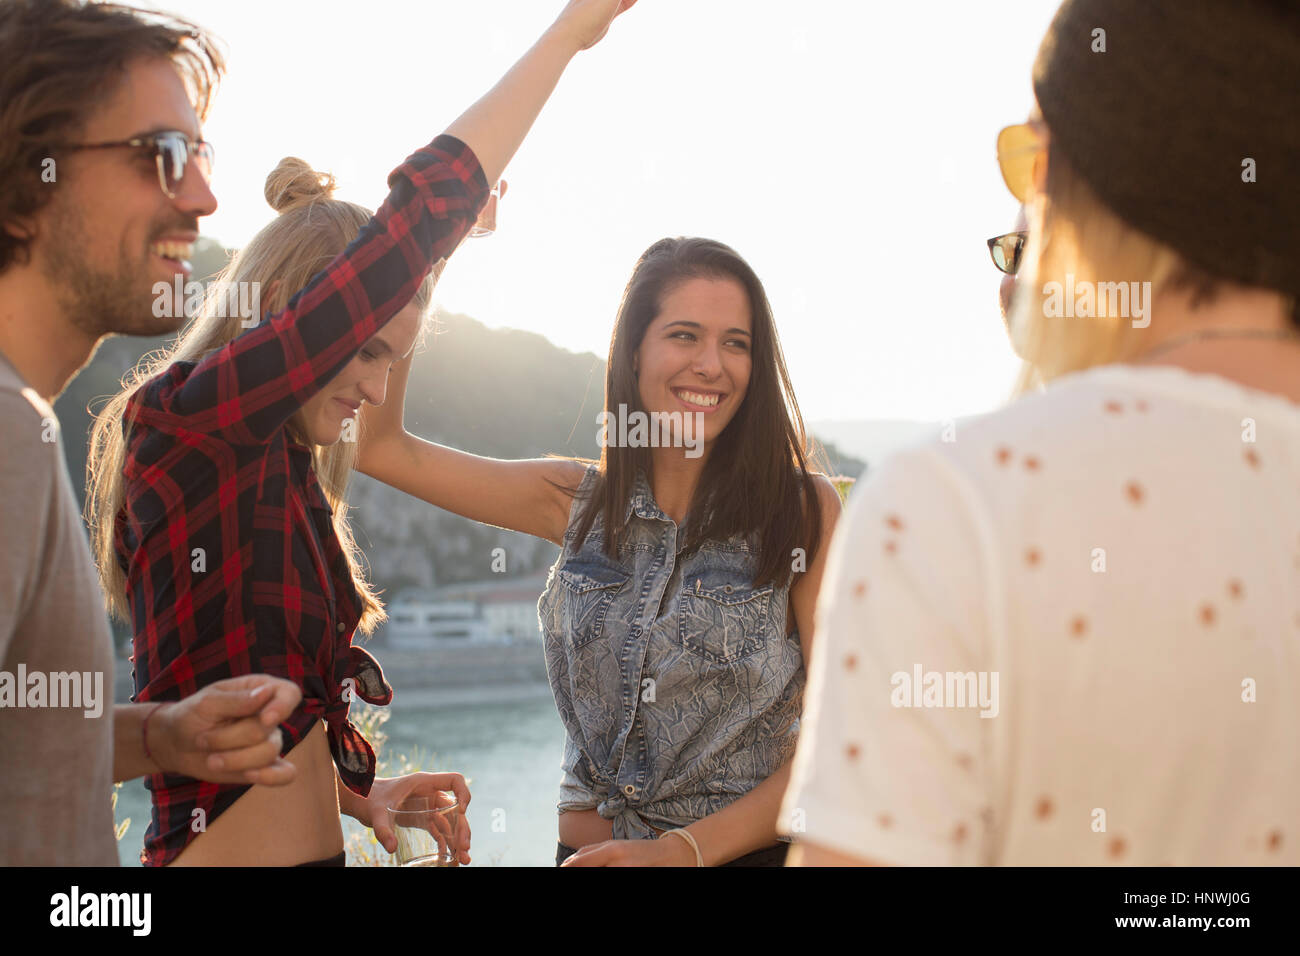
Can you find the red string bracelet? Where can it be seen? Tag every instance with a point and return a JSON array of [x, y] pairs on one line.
[[144, 730]]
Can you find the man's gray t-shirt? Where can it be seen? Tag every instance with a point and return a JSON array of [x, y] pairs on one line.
[[56, 763]]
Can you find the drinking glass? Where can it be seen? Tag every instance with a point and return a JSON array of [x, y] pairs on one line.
[[426, 829]]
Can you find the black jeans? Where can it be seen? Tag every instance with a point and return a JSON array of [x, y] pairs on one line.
[[340, 860], [768, 856]]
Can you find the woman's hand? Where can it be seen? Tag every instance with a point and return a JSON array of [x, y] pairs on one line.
[[587, 21], [665, 851], [495, 126], [385, 792]]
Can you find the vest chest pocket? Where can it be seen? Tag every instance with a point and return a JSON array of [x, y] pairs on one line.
[[589, 589], [724, 622]]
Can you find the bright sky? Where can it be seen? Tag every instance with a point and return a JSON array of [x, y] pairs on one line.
[[846, 149]]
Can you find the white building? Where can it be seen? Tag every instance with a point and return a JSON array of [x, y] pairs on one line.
[[480, 612]]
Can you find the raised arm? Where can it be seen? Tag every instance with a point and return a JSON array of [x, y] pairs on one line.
[[248, 389], [496, 125], [519, 495]]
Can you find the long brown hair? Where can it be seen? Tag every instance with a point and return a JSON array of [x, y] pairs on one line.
[[755, 478], [311, 230]]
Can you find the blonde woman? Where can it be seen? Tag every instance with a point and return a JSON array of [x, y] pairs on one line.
[[218, 476], [1042, 640]]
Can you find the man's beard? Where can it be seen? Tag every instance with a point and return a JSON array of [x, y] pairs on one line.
[[96, 301]]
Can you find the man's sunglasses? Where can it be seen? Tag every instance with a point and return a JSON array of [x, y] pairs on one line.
[[1019, 149], [172, 151], [1006, 251]]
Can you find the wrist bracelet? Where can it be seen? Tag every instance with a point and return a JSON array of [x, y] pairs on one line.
[[699, 858], [144, 732]]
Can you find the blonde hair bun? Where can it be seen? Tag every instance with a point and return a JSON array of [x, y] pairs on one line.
[[294, 183]]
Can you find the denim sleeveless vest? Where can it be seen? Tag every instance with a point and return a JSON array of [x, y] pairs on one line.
[[679, 689]]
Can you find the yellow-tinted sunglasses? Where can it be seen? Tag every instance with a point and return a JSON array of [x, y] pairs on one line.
[[1019, 148]]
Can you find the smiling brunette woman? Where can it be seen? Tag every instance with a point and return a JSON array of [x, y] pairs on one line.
[[679, 615], [217, 478]]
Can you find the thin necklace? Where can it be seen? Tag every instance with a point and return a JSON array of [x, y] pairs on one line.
[[1204, 334]]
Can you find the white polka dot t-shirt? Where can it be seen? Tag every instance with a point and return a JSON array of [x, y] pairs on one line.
[[1069, 636]]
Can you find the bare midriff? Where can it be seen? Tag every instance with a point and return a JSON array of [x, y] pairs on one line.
[[579, 828], [278, 826]]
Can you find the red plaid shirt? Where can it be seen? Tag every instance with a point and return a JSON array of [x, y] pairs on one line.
[[209, 466]]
